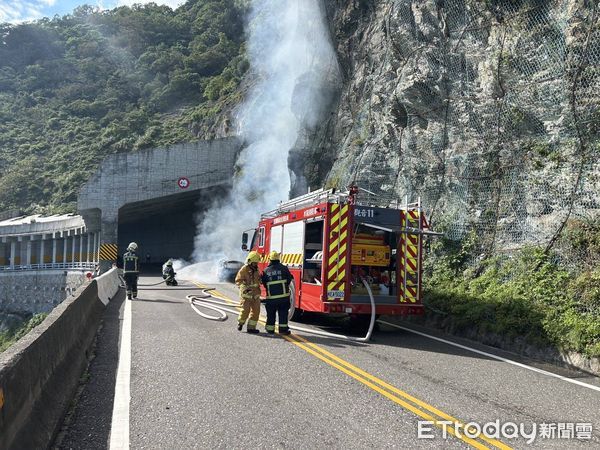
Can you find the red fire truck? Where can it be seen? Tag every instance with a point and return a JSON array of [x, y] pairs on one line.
[[331, 242]]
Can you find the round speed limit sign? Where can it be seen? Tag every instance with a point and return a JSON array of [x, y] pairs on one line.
[[183, 182]]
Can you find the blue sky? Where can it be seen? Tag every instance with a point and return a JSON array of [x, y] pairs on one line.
[[15, 11]]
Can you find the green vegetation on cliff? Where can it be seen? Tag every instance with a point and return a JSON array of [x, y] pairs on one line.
[[12, 335], [77, 88], [529, 298]]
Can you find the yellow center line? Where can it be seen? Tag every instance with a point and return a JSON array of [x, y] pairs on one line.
[[418, 407], [394, 389], [392, 397]]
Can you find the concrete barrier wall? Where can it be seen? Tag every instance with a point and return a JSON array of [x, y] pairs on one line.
[[108, 285], [35, 291], [39, 375]]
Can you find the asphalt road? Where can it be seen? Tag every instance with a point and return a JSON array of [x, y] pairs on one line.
[[196, 383]]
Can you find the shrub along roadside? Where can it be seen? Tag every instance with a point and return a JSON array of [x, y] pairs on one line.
[[527, 298], [7, 338]]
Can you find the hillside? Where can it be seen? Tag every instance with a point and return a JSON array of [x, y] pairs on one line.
[[488, 110], [77, 88]]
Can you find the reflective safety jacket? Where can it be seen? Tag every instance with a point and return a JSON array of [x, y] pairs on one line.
[[130, 263], [276, 278], [248, 279]]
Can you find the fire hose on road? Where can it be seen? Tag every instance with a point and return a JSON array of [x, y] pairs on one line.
[[122, 280], [208, 301]]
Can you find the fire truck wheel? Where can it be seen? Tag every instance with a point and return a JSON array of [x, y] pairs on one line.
[[295, 313]]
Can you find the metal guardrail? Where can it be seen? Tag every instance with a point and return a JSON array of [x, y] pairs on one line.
[[47, 266]]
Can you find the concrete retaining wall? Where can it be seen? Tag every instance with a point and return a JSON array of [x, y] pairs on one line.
[[33, 292], [40, 373]]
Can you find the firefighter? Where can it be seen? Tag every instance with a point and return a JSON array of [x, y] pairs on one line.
[[169, 274], [248, 280], [131, 270], [277, 278]]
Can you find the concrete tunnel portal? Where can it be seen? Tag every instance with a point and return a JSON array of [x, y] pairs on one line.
[[156, 198], [164, 227]]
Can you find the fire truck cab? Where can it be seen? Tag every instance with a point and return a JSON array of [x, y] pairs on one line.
[[333, 245]]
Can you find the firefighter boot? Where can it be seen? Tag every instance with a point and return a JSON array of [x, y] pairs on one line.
[[251, 328], [240, 326]]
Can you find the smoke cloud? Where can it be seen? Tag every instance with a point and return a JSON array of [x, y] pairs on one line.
[[293, 63]]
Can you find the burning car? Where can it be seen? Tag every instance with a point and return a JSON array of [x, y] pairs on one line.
[[227, 270]]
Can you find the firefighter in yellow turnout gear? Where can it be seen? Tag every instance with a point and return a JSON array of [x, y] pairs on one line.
[[248, 280]]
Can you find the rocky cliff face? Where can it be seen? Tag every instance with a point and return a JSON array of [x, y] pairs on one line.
[[486, 109]]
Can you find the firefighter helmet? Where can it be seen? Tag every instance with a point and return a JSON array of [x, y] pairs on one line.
[[253, 257], [132, 247], [274, 256], [169, 263]]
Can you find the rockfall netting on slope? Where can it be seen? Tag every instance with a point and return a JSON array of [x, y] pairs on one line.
[[487, 110]]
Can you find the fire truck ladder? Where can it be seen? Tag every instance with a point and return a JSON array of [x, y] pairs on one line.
[[413, 229], [312, 198]]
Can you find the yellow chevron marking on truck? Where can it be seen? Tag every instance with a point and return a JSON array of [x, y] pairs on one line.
[[338, 247], [291, 258], [344, 220], [339, 268]]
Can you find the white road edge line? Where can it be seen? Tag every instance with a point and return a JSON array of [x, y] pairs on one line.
[[119, 429], [500, 358]]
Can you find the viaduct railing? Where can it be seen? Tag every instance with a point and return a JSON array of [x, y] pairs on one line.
[[46, 266]]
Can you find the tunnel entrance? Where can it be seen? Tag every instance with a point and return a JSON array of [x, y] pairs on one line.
[[164, 227]]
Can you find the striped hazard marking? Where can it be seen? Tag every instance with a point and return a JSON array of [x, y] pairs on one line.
[[409, 259], [108, 252], [338, 251], [289, 259]]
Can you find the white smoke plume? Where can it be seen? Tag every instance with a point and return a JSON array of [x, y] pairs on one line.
[[293, 61]]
